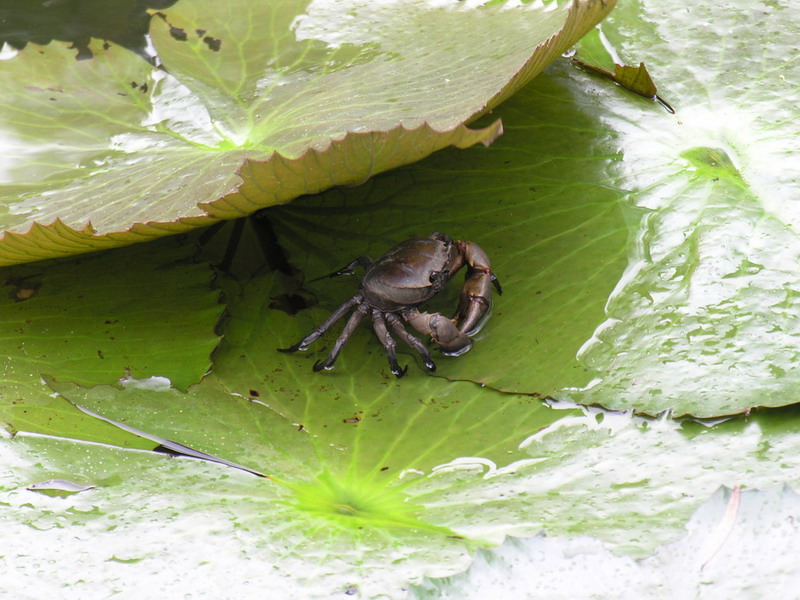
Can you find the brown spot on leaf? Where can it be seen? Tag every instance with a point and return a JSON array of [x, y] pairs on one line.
[[213, 43], [178, 33]]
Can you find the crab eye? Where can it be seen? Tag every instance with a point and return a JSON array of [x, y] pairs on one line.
[[439, 277]]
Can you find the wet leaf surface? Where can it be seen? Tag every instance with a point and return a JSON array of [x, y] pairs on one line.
[[538, 202], [752, 558], [704, 320], [630, 483]]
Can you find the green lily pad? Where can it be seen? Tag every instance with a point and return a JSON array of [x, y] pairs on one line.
[[254, 104], [292, 425], [340, 465], [736, 543], [85, 320], [151, 519], [362, 466]]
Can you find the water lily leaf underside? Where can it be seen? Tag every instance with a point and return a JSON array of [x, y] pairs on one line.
[[256, 104]]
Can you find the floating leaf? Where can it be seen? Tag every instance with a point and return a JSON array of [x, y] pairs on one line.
[[94, 319], [488, 464], [257, 103], [705, 319], [630, 483]]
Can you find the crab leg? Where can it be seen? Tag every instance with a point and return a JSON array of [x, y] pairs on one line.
[[362, 261], [477, 290], [379, 324], [442, 330], [335, 316], [397, 325], [356, 318]]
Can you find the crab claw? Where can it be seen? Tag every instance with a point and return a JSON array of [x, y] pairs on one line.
[[442, 330], [475, 299]]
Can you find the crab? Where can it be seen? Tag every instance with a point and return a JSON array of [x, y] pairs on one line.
[[401, 280]]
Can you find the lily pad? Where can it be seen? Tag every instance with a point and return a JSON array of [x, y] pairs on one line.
[[152, 520], [282, 412], [254, 104], [705, 319], [362, 466], [84, 320]]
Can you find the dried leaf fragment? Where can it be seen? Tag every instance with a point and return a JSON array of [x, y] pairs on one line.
[[635, 79]]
